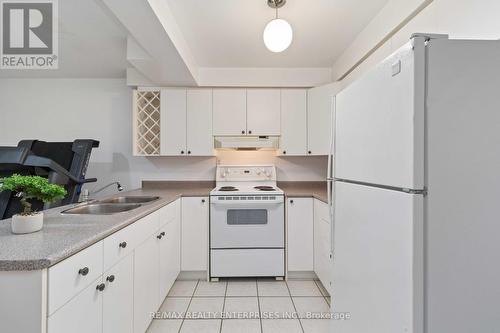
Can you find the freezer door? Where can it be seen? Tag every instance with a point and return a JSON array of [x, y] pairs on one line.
[[377, 260], [380, 122]]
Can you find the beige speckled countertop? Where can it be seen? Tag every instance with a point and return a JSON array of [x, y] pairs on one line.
[[64, 235], [305, 189]]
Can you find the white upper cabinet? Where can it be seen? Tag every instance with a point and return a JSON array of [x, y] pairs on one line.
[[263, 112], [229, 112], [319, 120], [173, 122], [293, 122], [199, 123], [183, 121], [186, 122]]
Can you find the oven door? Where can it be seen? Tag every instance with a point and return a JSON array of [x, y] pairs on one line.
[[247, 225]]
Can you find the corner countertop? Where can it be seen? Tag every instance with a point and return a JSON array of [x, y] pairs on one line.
[[316, 190], [64, 235]]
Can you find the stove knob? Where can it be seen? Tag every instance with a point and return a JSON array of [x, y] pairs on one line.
[[223, 173]]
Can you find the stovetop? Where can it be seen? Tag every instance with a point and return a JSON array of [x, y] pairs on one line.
[[246, 180], [246, 189]]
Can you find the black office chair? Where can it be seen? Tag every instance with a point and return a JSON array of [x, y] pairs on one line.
[[63, 163]]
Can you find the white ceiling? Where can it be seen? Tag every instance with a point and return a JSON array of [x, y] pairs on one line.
[[223, 33], [92, 44]]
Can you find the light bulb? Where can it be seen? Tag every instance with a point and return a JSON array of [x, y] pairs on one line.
[[278, 35]]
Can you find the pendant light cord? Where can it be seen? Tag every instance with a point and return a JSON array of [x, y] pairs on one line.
[[276, 6]]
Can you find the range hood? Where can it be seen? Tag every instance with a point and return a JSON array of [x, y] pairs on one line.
[[247, 142]]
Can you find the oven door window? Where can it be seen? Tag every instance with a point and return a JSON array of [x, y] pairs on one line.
[[246, 216]]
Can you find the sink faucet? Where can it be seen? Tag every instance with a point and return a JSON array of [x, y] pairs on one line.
[[86, 193]]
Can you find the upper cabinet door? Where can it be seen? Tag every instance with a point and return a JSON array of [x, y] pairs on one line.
[[173, 122], [263, 112], [199, 122], [229, 112], [319, 120], [293, 122]]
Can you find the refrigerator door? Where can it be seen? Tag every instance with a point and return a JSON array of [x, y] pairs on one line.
[[378, 260], [380, 122]]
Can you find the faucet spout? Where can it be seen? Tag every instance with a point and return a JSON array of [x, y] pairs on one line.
[[86, 193]]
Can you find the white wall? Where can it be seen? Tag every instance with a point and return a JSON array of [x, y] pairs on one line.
[[66, 109], [469, 19]]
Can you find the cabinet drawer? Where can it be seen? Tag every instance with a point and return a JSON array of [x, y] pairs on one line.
[[72, 275], [169, 212], [247, 262], [119, 245], [123, 242], [144, 228]]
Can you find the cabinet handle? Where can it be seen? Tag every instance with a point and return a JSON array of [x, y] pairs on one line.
[[309, 152], [182, 151], [202, 200], [291, 201], [83, 271], [242, 132], [162, 233], [110, 278], [284, 152], [100, 287], [189, 152], [159, 236], [249, 132], [123, 245]]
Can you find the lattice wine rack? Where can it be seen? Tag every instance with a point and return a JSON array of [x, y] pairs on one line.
[[147, 123]]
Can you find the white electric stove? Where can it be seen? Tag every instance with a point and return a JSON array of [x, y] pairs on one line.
[[247, 223]]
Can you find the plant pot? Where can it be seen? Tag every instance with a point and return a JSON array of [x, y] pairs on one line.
[[25, 224]]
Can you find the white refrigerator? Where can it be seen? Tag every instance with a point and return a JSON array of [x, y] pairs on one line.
[[416, 192]]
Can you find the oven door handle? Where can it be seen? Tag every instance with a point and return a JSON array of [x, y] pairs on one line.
[[247, 204]]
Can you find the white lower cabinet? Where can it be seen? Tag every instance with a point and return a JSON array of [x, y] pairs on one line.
[[194, 252], [118, 297], [322, 244], [141, 263], [300, 235], [146, 283], [170, 251], [82, 314]]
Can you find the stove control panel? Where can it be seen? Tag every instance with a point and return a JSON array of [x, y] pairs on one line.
[[233, 173]]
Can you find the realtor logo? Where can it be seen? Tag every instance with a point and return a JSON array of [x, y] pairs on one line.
[[29, 34]]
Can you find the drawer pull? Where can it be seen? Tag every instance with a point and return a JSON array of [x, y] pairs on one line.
[[203, 200], [123, 245], [83, 271], [100, 287], [110, 278], [162, 233], [291, 201], [159, 236]]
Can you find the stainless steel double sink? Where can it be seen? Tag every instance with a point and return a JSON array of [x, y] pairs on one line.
[[111, 206]]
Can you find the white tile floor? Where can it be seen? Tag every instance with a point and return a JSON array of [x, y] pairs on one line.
[[243, 305]]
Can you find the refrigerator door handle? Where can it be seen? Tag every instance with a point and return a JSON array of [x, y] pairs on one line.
[[331, 187]]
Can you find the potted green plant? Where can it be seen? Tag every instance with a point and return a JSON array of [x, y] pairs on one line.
[[28, 188]]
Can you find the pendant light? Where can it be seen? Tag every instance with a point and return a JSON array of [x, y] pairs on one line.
[[278, 33]]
